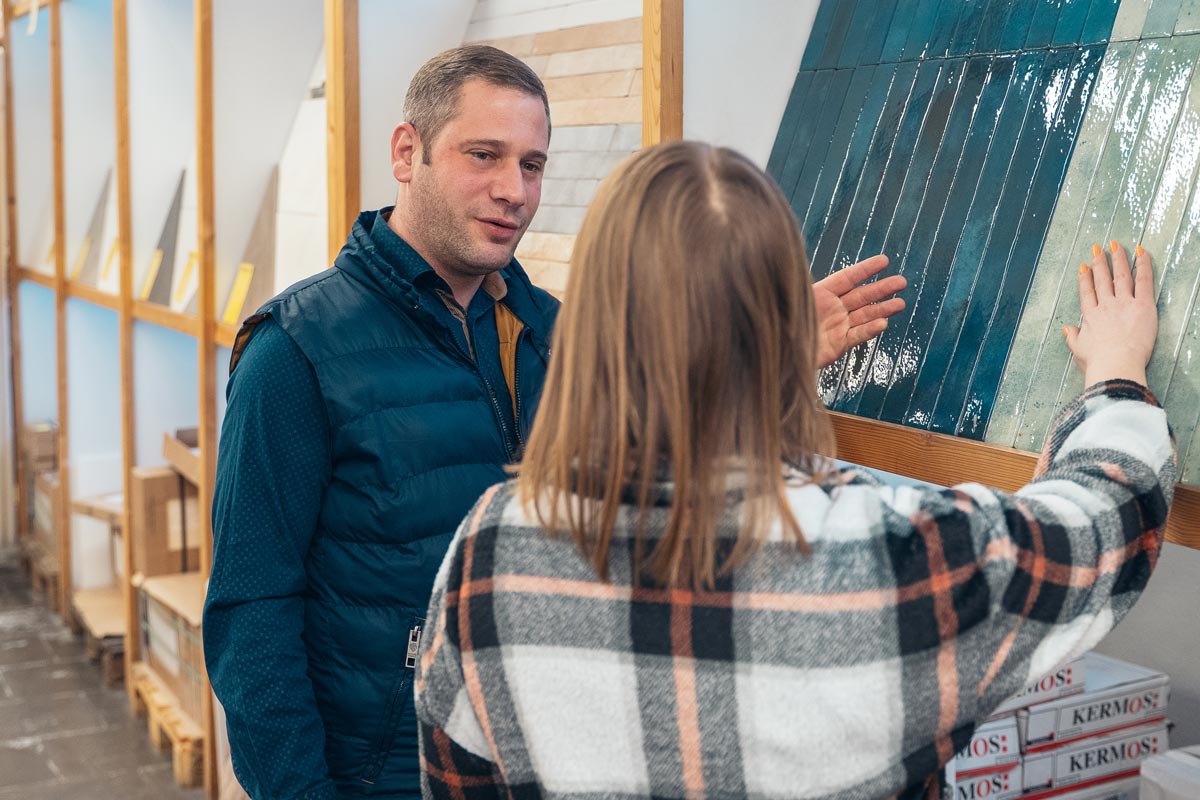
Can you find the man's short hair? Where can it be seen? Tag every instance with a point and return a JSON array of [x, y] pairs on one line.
[[432, 99]]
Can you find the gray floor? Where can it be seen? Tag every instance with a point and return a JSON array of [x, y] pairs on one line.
[[62, 734]]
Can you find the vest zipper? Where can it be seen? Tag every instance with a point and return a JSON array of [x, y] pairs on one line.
[[414, 646], [517, 391]]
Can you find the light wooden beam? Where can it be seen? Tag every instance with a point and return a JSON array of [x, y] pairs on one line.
[[206, 239], [36, 276], [91, 294], [23, 8], [946, 460], [13, 276], [342, 119], [662, 71], [60, 308], [124, 167]]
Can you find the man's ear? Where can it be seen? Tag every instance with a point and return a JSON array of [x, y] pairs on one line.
[[406, 146]]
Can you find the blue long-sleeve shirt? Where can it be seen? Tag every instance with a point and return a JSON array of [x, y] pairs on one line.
[[275, 463]]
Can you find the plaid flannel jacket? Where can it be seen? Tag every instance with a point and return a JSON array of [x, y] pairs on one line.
[[856, 672]]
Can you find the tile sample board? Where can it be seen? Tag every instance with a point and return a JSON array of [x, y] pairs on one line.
[[985, 146]]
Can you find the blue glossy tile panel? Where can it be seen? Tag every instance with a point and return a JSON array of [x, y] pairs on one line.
[[984, 146]]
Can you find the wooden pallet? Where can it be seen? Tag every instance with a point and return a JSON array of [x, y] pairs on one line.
[[100, 617], [45, 579], [170, 728]]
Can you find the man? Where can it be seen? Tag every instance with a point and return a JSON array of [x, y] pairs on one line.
[[369, 407]]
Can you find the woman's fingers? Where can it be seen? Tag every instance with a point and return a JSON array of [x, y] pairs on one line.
[[1101, 277], [1144, 282], [1087, 288], [1122, 276]]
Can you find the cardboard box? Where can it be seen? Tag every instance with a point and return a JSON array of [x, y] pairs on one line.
[[1094, 760], [46, 499], [1119, 695], [1120, 789], [1004, 784], [157, 522], [171, 607], [1069, 679], [994, 746], [39, 445], [1172, 776]]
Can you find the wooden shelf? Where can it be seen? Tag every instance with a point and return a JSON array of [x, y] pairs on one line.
[[93, 295], [226, 334], [946, 460], [101, 611], [22, 8], [107, 508], [182, 593], [166, 318], [183, 457], [36, 276]]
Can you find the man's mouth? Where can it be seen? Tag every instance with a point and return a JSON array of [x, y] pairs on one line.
[[499, 228]]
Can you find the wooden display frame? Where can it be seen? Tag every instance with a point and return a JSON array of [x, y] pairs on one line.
[[926, 456]]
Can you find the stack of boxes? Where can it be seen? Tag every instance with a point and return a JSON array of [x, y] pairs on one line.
[[1079, 734]]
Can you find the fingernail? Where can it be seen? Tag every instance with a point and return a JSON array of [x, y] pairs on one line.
[[1066, 333], [1113, 246], [1096, 250], [1083, 269], [1140, 251]]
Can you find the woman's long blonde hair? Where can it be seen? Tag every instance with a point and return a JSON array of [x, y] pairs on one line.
[[686, 349]]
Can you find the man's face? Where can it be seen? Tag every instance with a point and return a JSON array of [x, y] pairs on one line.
[[472, 202]]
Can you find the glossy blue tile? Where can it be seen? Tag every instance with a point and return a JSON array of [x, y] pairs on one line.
[[818, 90], [1099, 25], [985, 346], [972, 201], [971, 17], [924, 19], [818, 145], [849, 149], [1043, 23], [993, 19], [903, 21], [943, 211], [1016, 28], [863, 28], [1071, 19], [796, 107], [833, 137], [873, 155], [1161, 18], [819, 34], [945, 23], [909, 232], [839, 29], [880, 26]]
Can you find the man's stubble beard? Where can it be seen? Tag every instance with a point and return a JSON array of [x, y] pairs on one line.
[[444, 235]]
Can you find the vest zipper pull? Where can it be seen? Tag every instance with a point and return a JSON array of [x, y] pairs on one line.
[[414, 645]]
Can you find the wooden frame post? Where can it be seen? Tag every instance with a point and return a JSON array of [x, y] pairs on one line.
[[12, 274], [60, 310], [206, 349], [124, 168], [342, 119], [662, 71]]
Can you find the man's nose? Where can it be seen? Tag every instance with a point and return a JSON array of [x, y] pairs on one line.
[[509, 185]]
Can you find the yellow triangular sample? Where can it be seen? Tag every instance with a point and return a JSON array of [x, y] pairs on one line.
[[77, 270], [181, 289], [108, 262], [50, 253], [155, 263], [237, 295]]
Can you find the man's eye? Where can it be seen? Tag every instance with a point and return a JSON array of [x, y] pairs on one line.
[[481, 155], [533, 166]]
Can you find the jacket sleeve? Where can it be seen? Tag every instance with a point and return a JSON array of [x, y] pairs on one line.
[[1020, 583], [272, 469]]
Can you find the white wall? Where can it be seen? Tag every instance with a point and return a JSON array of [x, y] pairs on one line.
[[302, 222], [739, 63], [31, 106], [395, 37], [498, 19]]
